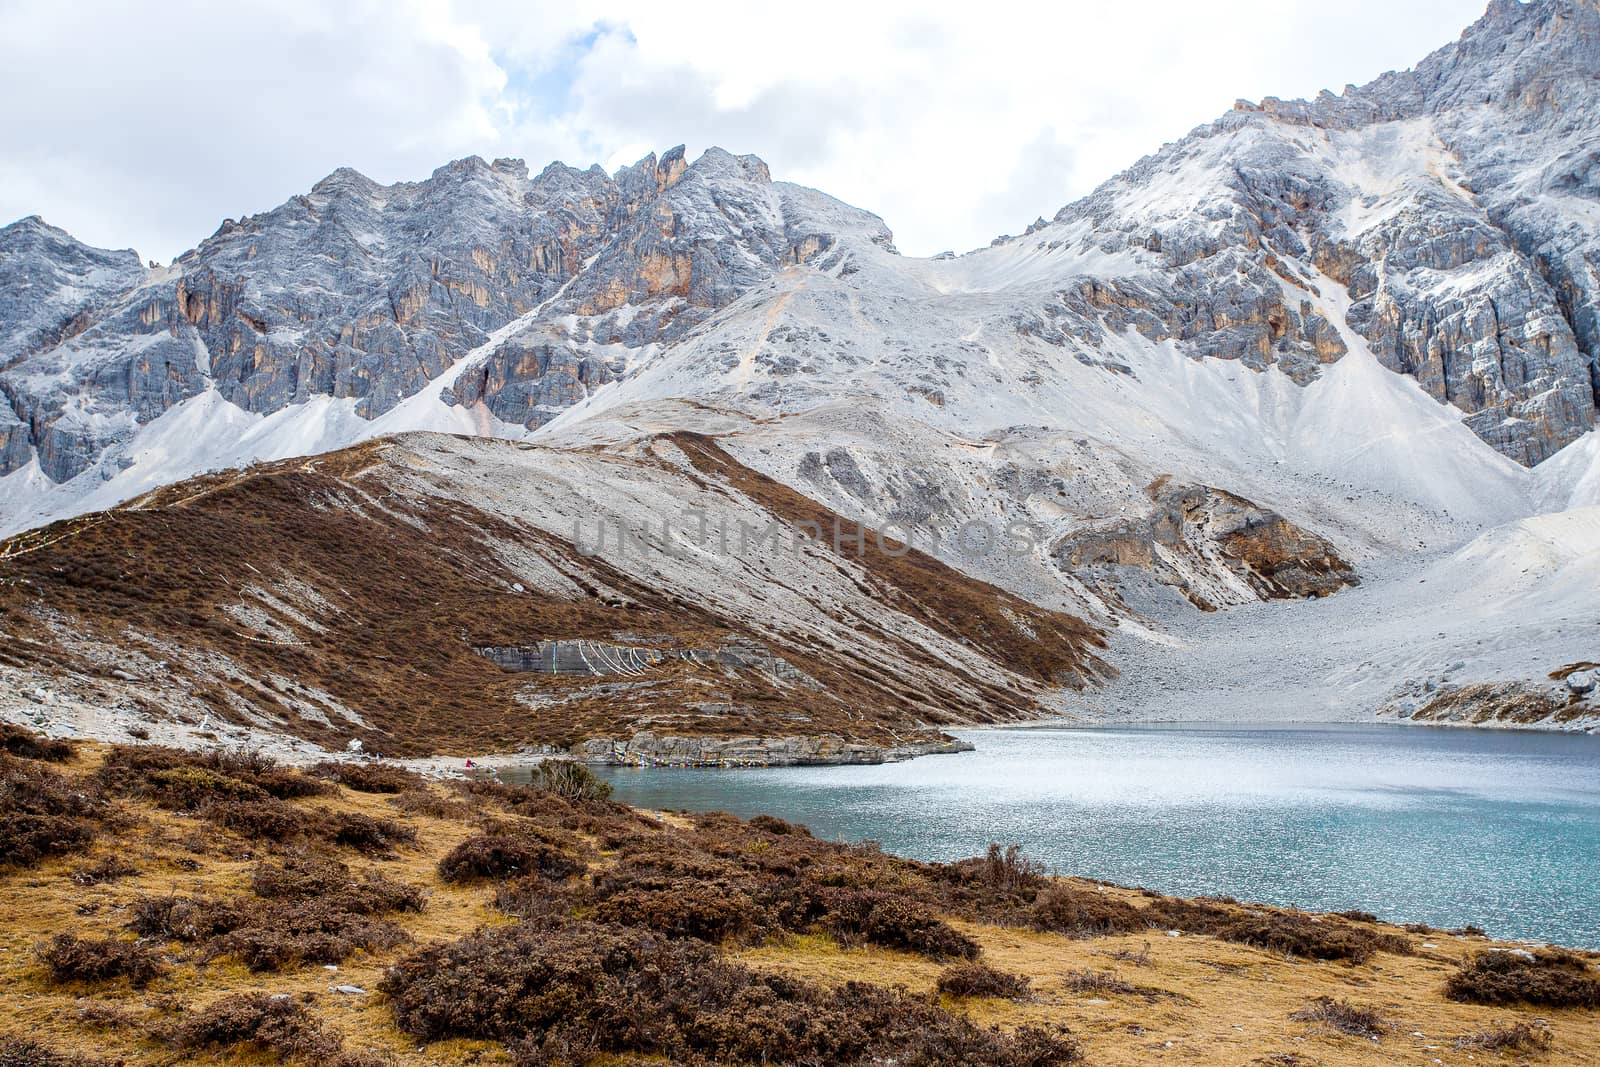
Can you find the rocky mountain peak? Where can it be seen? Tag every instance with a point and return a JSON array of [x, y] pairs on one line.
[[1438, 222], [1438, 213]]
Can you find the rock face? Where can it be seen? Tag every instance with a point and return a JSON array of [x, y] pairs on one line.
[[1451, 209], [1215, 548], [369, 292], [1518, 704], [594, 659]]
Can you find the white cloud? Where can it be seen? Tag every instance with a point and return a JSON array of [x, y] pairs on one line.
[[145, 125]]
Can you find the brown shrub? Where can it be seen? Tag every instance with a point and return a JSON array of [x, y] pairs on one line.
[[710, 911], [304, 877], [1140, 958], [183, 780], [1519, 1037], [892, 921], [533, 898], [73, 959], [771, 824], [25, 1052], [42, 813], [267, 819], [587, 990], [29, 745], [189, 919], [1086, 981], [310, 910], [281, 934], [426, 802], [105, 869], [369, 777], [1290, 933], [978, 980], [366, 833], [1010, 871], [1343, 1016], [1066, 909], [274, 1024], [500, 856], [1551, 978]]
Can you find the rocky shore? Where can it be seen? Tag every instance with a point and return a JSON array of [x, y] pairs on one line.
[[824, 750]]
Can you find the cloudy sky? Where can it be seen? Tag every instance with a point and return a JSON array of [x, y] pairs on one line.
[[144, 125]]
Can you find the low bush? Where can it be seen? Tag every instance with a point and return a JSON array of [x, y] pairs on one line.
[[892, 921], [1140, 958], [1357, 916], [25, 1052], [275, 1024], [42, 813], [709, 911], [1552, 978], [1066, 909], [978, 980], [1290, 933], [368, 777], [267, 819], [586, 990], [503, 855], [568, 779], [1086, 981], [183, 780], [309, 909], [1343, 1017], [305, 877], [278, 935], [770, 824], [366, 833], [106, 869], [188, 919], [1519, 1037], [74, 959], [29, 745], [1009, 870], [427, 803], [190, 788]]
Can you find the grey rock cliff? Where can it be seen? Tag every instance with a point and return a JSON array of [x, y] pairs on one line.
[[1454, 205], [362, 291]]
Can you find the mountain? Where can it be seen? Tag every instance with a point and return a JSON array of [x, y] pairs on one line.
[[1252, 392]]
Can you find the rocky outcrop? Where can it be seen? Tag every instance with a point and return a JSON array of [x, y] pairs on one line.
[[596, 659], [1213, 547], [648, 750], [1518, 704], [52, 286], [532, 378], [1232, 309]]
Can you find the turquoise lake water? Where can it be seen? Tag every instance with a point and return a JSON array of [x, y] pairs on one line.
[[1449, 827]]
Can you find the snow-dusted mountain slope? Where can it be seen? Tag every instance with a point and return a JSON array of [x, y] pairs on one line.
[[1359, 329], [446, 594]]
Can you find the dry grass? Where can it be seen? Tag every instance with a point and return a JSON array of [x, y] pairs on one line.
[[1343, 1017]]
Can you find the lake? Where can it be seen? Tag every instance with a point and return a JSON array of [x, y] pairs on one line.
[[1450, 827]]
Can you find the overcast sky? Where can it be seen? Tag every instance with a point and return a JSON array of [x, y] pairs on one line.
[[144, 125]]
